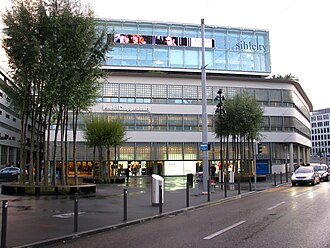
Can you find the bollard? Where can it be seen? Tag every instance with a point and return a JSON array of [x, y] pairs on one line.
[[125, 205], [225, 185], [75, 213], [208, 190], [187, 194], [281, 180], [160, 199], [274, 179], [239, 184], [4, 223]]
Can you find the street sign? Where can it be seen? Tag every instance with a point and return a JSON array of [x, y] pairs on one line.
[[204, 146]]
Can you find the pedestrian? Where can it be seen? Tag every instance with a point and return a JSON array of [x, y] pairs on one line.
[[127, 173]]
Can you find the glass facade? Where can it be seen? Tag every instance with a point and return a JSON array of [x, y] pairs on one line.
[[227, 49]]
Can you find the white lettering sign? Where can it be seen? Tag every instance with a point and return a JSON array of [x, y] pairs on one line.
[[127, 108]]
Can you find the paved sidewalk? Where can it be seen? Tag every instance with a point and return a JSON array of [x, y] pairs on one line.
[[49, 219]]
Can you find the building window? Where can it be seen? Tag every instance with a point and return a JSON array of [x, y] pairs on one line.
[[7, 116]]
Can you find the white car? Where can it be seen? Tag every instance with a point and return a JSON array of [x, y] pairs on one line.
[[305, 175], [322, 170]]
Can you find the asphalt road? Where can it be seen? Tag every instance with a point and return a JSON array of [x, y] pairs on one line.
[[285, 216]]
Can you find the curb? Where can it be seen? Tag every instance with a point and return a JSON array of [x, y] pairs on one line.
[[74, 236]]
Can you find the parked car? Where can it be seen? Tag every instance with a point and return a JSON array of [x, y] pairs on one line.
[[322, 170], [9, 173], [305, 175]]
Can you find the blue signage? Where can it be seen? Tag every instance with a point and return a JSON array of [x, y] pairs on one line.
[[204, 147]]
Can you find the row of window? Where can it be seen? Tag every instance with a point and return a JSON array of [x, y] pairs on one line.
[[321, 130], [321, 137], [320, 117], [192, 94], [179, 122], [320, 124]]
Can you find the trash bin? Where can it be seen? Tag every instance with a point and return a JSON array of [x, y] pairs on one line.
[[155, 183], [190, 179]]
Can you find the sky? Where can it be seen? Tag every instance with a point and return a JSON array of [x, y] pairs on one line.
[[299, 40]]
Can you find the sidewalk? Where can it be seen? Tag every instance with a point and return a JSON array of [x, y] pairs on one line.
[[105, 210]]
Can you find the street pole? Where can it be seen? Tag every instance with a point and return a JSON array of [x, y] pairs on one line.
[[204, 115], [255, 164]]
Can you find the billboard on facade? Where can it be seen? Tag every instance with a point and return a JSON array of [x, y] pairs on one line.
[[162, 40]]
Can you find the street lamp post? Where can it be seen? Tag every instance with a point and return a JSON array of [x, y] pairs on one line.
[[204, 115], [219, 112]]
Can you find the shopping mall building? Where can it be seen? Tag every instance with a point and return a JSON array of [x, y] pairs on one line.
[[154, 85]]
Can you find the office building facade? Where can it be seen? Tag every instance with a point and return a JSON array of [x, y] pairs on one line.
[[154, 85]]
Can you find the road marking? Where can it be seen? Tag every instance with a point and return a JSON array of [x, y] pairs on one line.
[[224, 230], [275, 206], [275, 189], [67, 215]]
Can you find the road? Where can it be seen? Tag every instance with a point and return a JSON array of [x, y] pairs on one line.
[[285, 216]]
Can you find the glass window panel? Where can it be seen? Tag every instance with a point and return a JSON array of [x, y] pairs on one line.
[[158, 151], [247, 60], [234, 60], [175, 151], [126, 152], [262, 95], [115, 56], [111, 89], [220, 59], [209, 59], [189, 92], [145, 56], [191, 58], [191, 32], [233, 40], [220, 39], [143, 90], [190, 151], [159, 91], [145, 29], [160, 30], [127, 90], [159, 120], [276, 121], [143, 120], [175, 91], [275, 95], [143, 151], [130, 28], [176, 57], [161, 56], [176, 31], [175, 120], [130, 55]]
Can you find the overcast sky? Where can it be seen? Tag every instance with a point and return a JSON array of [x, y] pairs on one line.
[[299, 40]]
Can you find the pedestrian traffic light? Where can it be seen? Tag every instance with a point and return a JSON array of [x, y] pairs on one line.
[[259, 148]]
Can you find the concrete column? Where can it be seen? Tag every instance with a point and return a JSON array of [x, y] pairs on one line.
[[298, 155], [291, 156], [304, 155]]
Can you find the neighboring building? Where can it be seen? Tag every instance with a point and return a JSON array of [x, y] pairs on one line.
[[154, 85], [320, 135], [10, 126]]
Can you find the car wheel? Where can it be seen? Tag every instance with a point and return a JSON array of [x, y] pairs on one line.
[[294, 184]]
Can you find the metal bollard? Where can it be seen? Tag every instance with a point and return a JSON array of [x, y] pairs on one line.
[[160, 199], [225, 185], [75, 213], [4, 223], [281, 180], [274, 179], [187, 194], [125, 205], [208, 190], [239, 184]]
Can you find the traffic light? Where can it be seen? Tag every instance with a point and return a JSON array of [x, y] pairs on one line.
[[259, 148]]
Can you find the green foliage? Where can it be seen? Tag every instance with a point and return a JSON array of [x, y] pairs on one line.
[[242, 117]]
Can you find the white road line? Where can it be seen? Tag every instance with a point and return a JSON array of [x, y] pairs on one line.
[[301, 194], [279, 204], [67, 215], [224, 230]]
